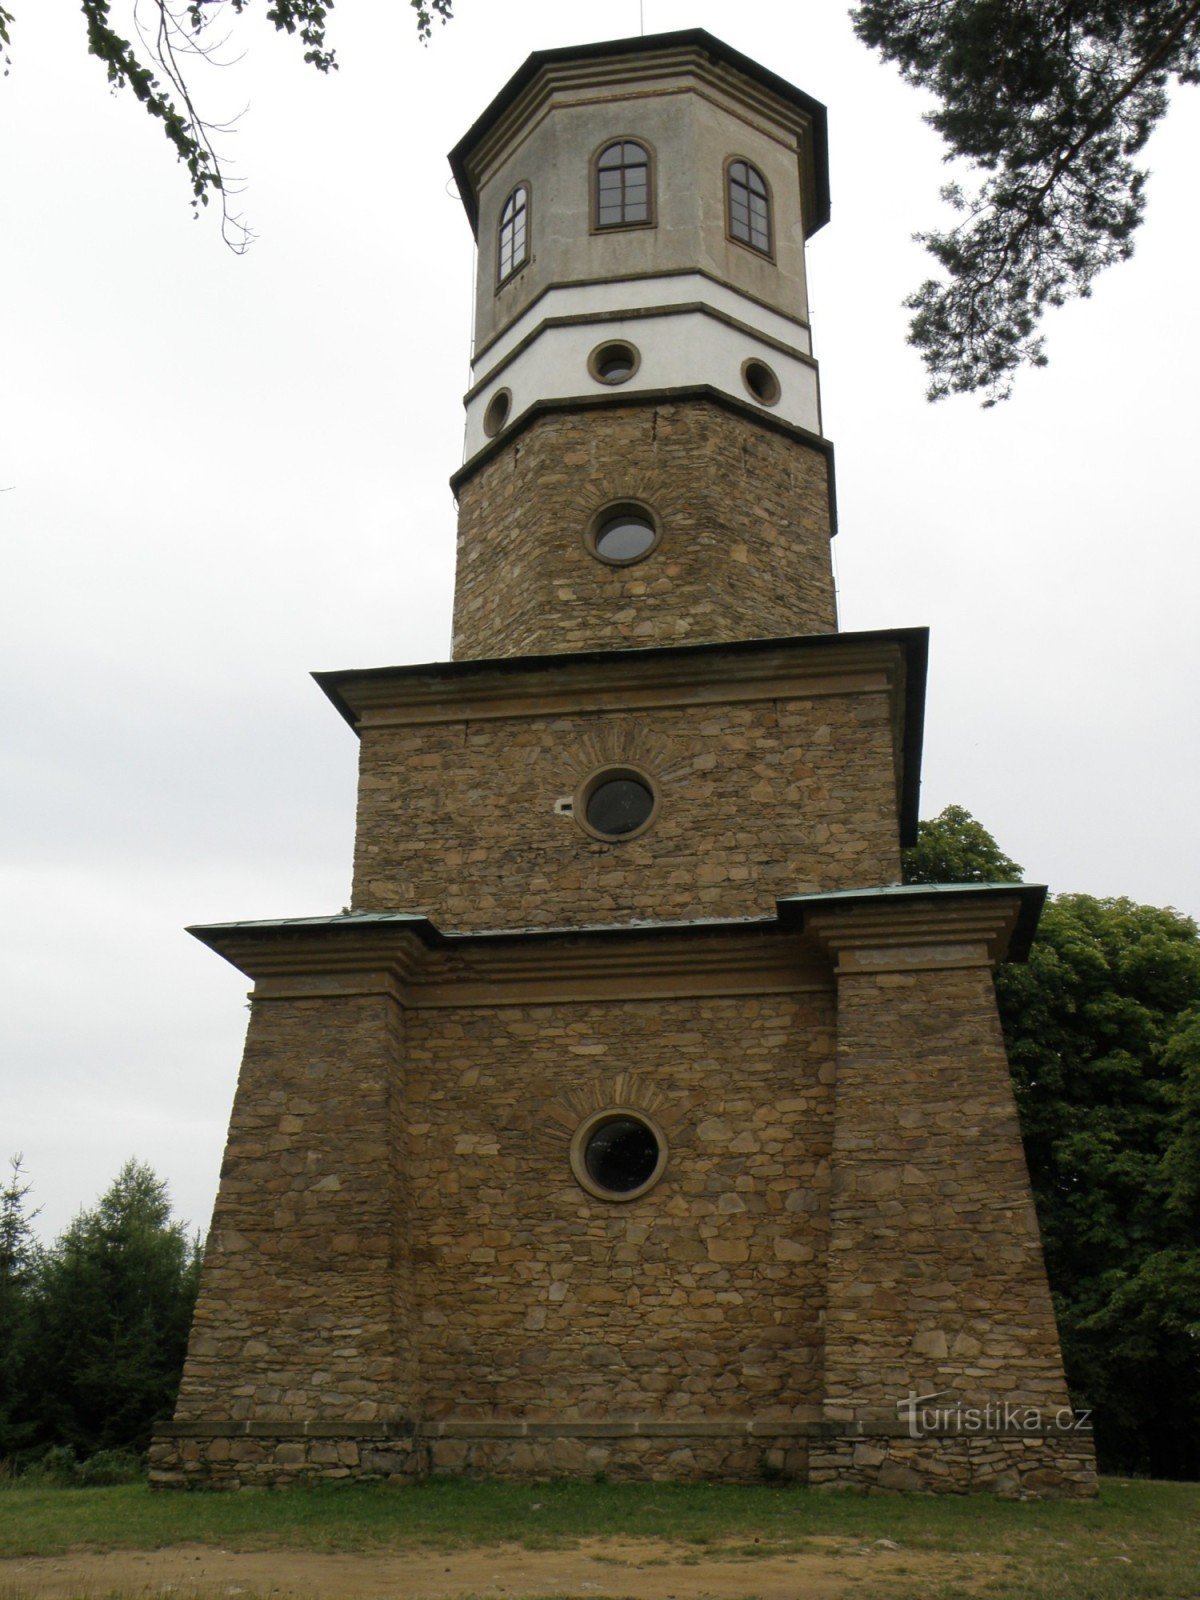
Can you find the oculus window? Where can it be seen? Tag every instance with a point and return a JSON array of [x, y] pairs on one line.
[[615, 804], [513, 240], [622, 185], [618, 1154], [497, 411], [615, 361], [619, 535], [761, 382], [749, 206]]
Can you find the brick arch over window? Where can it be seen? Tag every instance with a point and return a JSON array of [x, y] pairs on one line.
[[623, 185], [748, 206], [512, 240]]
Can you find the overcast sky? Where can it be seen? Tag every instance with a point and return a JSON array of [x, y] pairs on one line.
[[222, 473]]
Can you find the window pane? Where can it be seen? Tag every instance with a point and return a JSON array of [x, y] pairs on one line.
[[619, 806], [511, 239], [624, 539], [621, 1155], [749, 207], [622, 184]]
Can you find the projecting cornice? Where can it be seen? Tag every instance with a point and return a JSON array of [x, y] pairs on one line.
[[405, 956], [910, 926], [410, 960]]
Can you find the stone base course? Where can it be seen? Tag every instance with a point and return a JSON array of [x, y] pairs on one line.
[[1055, 1464], [1027, 1466]]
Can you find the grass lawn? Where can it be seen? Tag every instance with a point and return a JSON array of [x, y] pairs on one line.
[[1138, 1541]]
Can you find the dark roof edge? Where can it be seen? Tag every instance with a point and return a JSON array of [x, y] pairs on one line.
[[214, 934], [383, 923], [789, 918], [1032, 896], [699, 37], [914, 642]]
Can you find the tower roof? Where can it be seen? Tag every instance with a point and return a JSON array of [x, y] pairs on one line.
[[815, 156]]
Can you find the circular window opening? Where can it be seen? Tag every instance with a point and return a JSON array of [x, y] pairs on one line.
[[622, 534], [618, 1154], [761, 382], [616, 804], [497, 411], [614, 362]]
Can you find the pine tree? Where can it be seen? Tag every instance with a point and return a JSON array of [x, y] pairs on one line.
[[110, 1317], [18, 1258]]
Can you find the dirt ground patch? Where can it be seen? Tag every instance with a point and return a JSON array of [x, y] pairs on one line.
[[595, 1569]]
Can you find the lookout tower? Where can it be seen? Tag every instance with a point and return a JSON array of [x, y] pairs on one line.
[[635, 1119]]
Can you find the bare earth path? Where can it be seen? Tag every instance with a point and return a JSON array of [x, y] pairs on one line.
[[595, 1569]]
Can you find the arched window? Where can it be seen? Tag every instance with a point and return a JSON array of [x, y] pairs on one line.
[[514, 233], [622, 185], [749, 206]]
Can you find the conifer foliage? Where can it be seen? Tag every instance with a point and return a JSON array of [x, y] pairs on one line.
[[93, 1330], [1051, 101]]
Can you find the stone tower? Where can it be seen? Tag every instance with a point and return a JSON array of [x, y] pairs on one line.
[[634, 1119]]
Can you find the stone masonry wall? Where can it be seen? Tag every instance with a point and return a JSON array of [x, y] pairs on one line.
[[404, 1276], [1057, 1464], [936, 1280], [744, 552], [303, 1306], [702, 1299], [457, 820]]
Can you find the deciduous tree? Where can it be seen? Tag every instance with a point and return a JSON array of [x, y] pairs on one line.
[[954, 848]]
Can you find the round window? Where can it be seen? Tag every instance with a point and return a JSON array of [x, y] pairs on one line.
[[761, 382], [497, 411], [618, 1154], [614, 362], [617, 803], [622, 534]]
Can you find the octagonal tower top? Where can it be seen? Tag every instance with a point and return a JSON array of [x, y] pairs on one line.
[[632, 177]]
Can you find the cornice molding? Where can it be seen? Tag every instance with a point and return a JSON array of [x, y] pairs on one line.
[[420, 968], [907, 936], [594, 692], [523, 686], [558, 285], [598, 319]]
